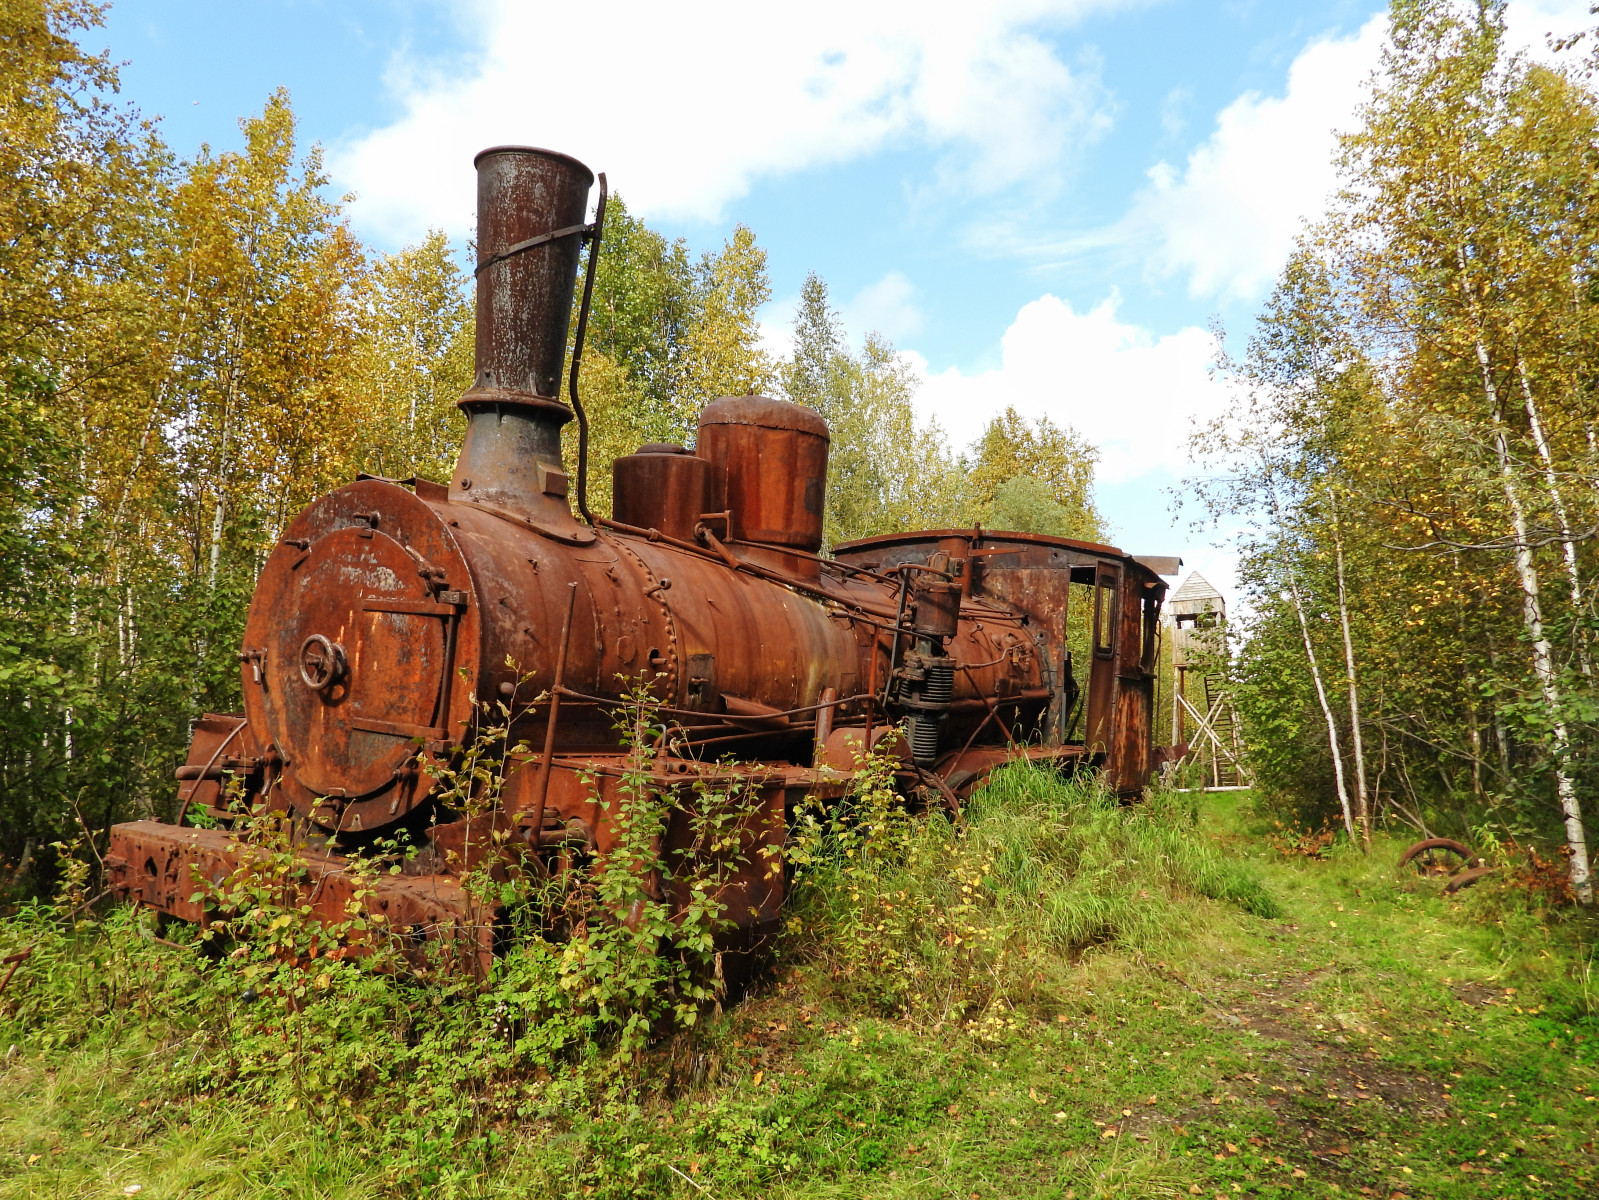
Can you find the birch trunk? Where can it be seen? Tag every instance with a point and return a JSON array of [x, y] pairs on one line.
[[1543, 660], [156, 407], [1568, 546], [1362, 806], [229, 395], [1326, 707]]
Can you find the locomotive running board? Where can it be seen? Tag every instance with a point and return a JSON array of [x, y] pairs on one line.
[[163, 866]]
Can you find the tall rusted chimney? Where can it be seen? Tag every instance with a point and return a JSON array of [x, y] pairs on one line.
[[511, 457]]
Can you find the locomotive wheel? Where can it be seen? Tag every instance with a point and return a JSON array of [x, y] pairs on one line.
[[1437, 856], [1464, 879]]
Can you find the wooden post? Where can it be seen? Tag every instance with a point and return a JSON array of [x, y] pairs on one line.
[[1179, 694]]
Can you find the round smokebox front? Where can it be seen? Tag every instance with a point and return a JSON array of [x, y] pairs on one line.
[[352, 651]]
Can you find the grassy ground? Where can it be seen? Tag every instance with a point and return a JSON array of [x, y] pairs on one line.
[[1375, 1039]]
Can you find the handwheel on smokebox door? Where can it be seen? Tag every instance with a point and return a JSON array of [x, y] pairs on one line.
[[1438, 856]]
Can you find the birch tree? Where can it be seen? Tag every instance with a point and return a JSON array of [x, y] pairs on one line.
[[1470, 221]]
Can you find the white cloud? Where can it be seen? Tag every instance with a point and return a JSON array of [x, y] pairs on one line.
[[1130, 392], [1529, 23], [1226, 220], [685, 105], [887, 307]]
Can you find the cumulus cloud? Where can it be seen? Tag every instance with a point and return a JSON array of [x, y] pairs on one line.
[[887, 307], [1226, 219], [1132, 393], [1531, 23], [686, 105]]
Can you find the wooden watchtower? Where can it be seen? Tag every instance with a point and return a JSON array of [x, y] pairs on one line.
[[1199, 644]]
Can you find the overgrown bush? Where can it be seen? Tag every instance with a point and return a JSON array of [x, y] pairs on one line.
[[334, 1018]]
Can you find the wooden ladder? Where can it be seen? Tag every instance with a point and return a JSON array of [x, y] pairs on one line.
[[1224, 722]]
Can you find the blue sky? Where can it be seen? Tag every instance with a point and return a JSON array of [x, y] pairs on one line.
[[1042, 202]]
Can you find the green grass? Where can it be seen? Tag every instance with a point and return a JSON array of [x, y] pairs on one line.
[[1122, 1004]]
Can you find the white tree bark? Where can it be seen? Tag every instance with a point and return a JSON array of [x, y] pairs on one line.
[[1362, 804], [1543, 659], [1567, 545], [1326, 707], [156, 406]]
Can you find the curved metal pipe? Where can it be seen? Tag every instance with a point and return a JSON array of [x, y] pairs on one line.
[[598, 229]]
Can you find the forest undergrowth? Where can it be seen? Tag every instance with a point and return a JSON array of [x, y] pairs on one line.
[[1057, 996]]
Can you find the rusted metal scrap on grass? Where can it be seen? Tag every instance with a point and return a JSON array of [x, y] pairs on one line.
[[390, 613], [1445, 857], [11, 962]]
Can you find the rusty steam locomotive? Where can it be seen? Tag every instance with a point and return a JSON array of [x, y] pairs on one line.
[[388, 614]]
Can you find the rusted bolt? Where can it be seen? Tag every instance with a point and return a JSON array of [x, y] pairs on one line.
[[466, 484]]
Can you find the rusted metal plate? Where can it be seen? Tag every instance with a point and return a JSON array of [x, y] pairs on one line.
[[222, 747], [1131, 743], [1160, 564], [885, 545], [165, 867], [359, 632], [1044, 594], [1102, 648], [752, 893]]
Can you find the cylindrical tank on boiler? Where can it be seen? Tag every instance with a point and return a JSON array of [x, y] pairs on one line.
[[775, 456], [663, 486]]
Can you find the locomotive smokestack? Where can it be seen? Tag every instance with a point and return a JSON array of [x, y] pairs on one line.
[[530, 204]]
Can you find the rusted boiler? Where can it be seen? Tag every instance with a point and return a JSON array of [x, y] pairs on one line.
[[390, 613]]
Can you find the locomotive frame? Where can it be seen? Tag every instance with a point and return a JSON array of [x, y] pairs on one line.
[[390, 615]]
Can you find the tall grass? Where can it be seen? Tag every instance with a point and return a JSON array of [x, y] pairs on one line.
[[947, 918], [1074, 867]]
